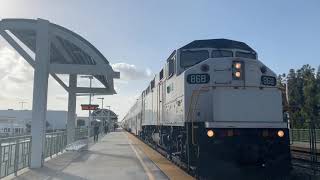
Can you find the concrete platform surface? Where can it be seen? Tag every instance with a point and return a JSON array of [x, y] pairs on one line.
[[113, 157]]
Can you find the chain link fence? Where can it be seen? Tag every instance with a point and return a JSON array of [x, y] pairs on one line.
[[303, 135]]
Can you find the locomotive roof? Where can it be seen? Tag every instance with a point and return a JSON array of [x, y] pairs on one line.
[[218, 43]]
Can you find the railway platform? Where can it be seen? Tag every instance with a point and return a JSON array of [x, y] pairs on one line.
[[118, 155]]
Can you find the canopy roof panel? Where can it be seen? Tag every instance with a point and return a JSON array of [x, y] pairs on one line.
[[103, 114], [66, 48]]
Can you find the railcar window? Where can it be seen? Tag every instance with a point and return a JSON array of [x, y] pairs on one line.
[[190, 58], [249, 55], [221, 53]]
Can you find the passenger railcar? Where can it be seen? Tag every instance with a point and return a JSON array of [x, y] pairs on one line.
[[217, 108]]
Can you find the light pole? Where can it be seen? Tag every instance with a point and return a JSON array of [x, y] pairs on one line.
[[101, 102], [108, 107], [89, 124], [22, 103]]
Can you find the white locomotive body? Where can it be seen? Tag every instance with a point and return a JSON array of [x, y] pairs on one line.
[[215, 106]]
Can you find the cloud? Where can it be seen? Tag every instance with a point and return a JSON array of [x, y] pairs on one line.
[[62, 97], [2, 98], [16, 77], [131, 72], [13, 67]]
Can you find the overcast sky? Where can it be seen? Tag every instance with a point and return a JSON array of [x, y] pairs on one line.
[[136, 36]]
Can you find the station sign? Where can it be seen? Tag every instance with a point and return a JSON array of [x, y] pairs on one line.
[[89, 106]]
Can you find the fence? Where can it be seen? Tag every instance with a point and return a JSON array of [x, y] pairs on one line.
[[15, 152], [303, 135], [81, 133], [55, 143]]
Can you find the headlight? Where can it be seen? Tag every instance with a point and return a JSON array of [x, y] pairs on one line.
[[238, 65], [280, 133], [237, 74], [237, 69], [210, 133]]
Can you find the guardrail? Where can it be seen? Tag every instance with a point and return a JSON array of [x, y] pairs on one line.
[[55, 142], [15, 152], [81, 133]]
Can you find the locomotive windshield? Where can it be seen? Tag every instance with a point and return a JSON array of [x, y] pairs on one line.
[[190, 58], [250, 55], [221, 53]]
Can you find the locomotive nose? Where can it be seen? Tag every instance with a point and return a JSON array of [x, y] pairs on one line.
[[248, 154]]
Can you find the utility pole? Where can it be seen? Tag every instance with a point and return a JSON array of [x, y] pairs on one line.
[[22, 103], [101, 102]]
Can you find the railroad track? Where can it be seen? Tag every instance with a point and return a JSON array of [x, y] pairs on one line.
[[304, 159]]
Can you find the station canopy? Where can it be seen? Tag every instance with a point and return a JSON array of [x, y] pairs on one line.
[[103, 114], [69, 53]]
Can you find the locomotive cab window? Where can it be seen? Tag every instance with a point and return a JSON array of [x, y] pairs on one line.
[[171, 64], [152, 84], [250, 55], [161, 74], [221, 53], [189, 58]]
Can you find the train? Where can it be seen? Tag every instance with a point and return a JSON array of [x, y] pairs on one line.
[[216, 108]]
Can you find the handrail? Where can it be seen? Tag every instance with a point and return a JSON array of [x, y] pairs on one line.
[[15, 151]]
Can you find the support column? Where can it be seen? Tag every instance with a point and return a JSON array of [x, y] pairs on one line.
[[72, 100], [40, 92]]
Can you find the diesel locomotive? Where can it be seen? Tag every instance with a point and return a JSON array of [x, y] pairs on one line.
[[216, 108]]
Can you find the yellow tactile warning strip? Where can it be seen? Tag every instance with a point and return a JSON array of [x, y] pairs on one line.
[[146, 169], [167, 167]]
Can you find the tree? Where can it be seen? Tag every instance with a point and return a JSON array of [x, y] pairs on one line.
[[294, 98], [304, 96], [318, 93]]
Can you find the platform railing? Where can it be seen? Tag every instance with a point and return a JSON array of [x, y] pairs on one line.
[[15, 152], [55, 142], [81, 133]]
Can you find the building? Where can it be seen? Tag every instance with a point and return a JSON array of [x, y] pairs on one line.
[[10, 119], [10, 126]]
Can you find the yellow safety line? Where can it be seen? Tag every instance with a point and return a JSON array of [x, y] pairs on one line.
[[171, 170], [146, 169]]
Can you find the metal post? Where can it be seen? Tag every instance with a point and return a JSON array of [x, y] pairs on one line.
[[40, 92], [109, 122], [0, 158], [16, 158], [22, 103], [89, 116], [71, 109], [89, 129], [101, 102]]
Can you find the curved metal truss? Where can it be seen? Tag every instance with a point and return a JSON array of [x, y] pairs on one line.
[[56, 50]]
